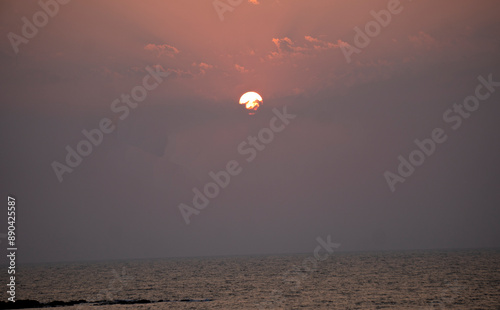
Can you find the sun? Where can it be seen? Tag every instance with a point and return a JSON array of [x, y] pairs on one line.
[[252, 102]]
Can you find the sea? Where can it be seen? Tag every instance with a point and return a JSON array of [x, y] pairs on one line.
[[451, 279]]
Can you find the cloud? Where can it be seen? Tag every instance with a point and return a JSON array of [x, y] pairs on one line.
[[323, 45], [286, 47], [204, 67], [162, 49], [179, 73], [107, 72], [240, 69], [424, 41]]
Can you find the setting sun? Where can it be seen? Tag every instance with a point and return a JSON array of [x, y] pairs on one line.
[[252, 101]]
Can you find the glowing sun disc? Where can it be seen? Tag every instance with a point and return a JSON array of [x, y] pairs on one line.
[[252, 101]]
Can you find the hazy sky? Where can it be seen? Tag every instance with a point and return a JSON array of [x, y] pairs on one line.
[[322, 174]]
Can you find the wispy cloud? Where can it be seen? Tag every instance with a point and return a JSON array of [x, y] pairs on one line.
[[323, 45], [240, 69], [204, 67], [424, 41], [287, 47], [162, 49]]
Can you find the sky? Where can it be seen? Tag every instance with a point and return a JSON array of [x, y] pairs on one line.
[[347, 86]]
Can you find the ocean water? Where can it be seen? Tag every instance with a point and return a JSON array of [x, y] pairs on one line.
[[385, 280]]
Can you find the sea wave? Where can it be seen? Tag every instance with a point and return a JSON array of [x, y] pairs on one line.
[[26, 304]]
